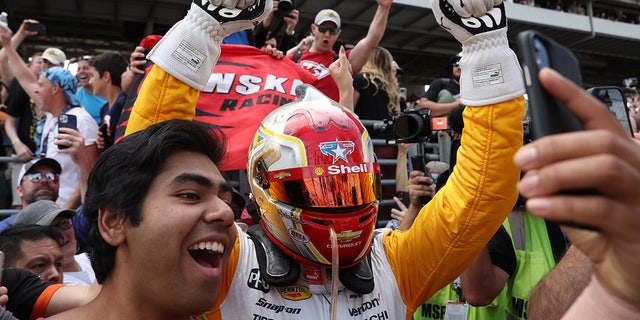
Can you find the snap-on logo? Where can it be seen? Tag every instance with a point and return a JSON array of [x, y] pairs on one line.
[[337, 149], [298, 235]]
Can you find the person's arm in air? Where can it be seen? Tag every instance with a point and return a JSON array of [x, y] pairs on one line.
[[172, 87], [27, 79], [6, 73], [361, 52], [556, 292], [456, 224]]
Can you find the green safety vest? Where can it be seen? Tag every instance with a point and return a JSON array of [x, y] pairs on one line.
[[435, 307], [534, 257]]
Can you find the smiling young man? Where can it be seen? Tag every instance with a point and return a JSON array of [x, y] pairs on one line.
[[159, 248]]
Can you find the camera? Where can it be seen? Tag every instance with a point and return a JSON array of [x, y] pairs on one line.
[[284, 8], [410, 126]]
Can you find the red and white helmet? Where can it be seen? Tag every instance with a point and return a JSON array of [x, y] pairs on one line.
[[311, 165]]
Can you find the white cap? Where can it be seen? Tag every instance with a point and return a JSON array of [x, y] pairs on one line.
[[55, 56], [328, 15]]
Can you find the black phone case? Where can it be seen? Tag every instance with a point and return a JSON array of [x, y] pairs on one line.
[[39, 28], [548, 115], [67, 121]]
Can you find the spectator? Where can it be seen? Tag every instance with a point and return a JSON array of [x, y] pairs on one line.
[[77, 268], [182, 209], [523, 250], [34, 248], [90, 101], [376, 95], [451, 229], [266, 30], [444, 93], [54, 92], [106, 71], [38, 179], [612, 210], [326, 30]]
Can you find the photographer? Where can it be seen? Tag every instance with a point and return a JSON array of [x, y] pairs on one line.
[[283, 13]]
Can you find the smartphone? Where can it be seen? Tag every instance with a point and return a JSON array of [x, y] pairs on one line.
[[419, 163], [104, 128], [614, 99], [547, 115], [38, 28], [67, 121]]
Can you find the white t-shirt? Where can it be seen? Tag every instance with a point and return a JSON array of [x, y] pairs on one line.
[[86, 277], [69, 177]]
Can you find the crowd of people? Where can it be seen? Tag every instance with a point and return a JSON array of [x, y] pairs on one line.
[[130, 211]]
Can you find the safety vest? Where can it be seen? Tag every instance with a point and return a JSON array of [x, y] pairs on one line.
[[534, 259], [435, 307]]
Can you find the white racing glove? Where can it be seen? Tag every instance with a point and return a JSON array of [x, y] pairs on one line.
[[191, 48], [490, 69]]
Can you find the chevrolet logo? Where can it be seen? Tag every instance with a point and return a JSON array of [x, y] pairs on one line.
[[348, 235], [282, 175]]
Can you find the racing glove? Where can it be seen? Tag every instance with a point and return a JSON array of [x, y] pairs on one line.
[[490, 69], [191, 48]]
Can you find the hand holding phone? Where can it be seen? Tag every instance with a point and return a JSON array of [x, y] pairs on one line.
[[418, 163], [38, 28], [67, 121]]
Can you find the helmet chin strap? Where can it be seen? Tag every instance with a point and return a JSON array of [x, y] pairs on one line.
[[335, 267]]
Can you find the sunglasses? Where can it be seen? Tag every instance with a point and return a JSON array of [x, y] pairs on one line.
[[64, 224], [36, 177], [456, 64], [323, 29], [88, 58]]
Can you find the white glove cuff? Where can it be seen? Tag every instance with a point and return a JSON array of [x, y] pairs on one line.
[[490, 70]]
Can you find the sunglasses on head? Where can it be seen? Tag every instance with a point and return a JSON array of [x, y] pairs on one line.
[[88, 58], [38, 176], [323, 29]]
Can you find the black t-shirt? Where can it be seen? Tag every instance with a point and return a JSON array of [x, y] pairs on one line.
[[25, 287], [20, 106], [371, 105], [438, 85]]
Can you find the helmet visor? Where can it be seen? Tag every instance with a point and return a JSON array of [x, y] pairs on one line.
[[333, 186]]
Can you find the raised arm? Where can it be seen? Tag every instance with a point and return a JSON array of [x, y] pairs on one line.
[[6, 73], [27, 79], [361, 52]]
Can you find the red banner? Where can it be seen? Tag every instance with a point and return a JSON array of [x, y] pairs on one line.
[[245, 86]]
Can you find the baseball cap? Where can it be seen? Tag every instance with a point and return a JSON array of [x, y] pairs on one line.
[[328, 15], [41, 212], [65, 80], [396, 66], [49, 162], [54, 55], [456, 57]]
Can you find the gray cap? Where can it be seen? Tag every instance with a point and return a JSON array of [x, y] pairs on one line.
[[41, 212]]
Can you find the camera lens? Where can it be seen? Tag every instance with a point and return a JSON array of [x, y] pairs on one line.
[[285, 6]]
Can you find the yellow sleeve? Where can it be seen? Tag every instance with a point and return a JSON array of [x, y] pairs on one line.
[[161, 97], [457, 223]]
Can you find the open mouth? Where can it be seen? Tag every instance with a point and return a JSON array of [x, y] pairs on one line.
[[207, 253]]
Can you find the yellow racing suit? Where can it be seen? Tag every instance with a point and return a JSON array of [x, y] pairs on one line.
[[409, 266]]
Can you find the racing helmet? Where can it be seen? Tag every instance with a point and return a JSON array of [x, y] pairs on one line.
[[311, 166]]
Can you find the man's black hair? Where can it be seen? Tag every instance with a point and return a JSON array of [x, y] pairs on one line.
[[124, 173], [12, 237], [112, 62]]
